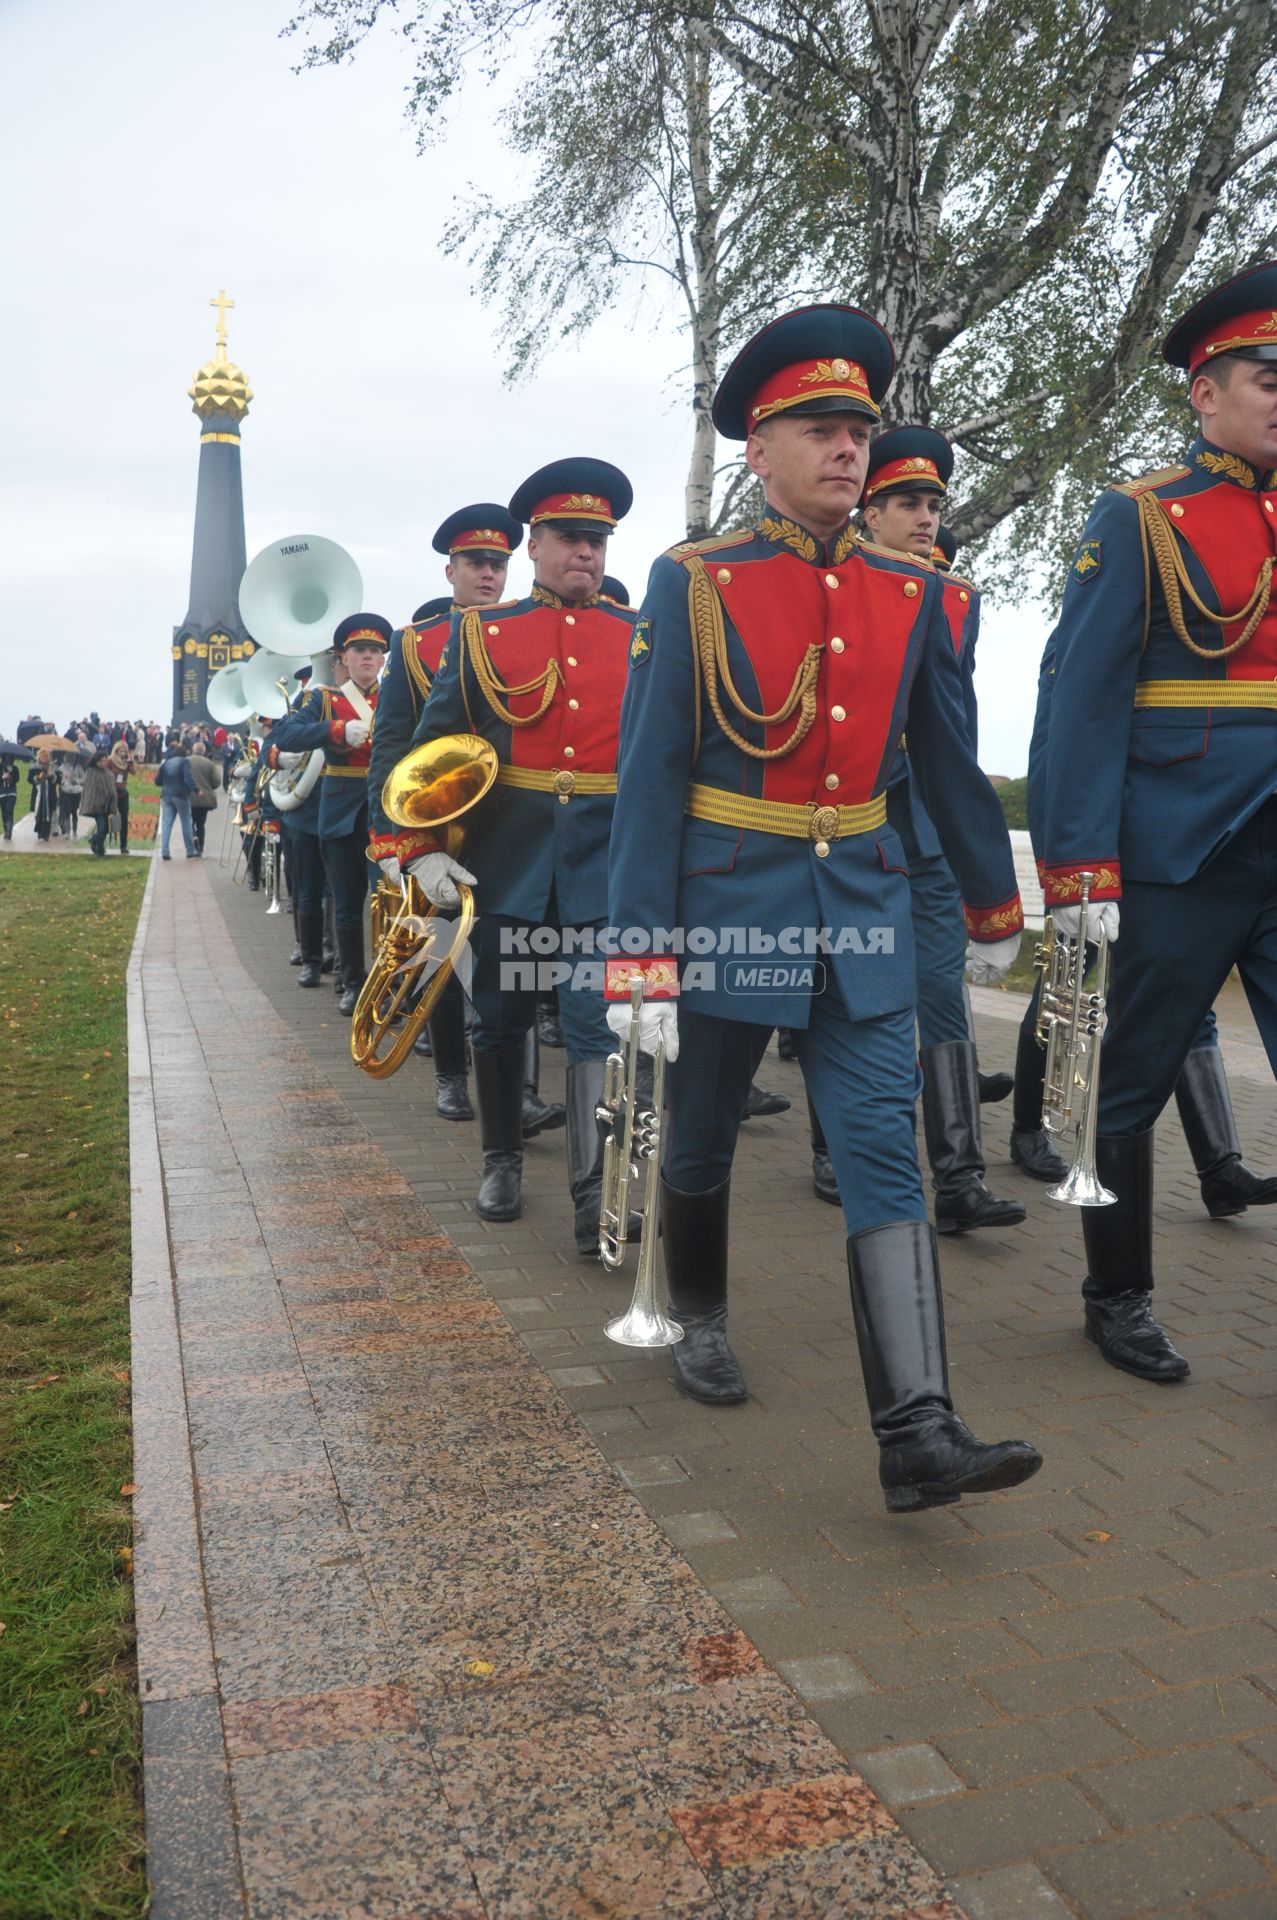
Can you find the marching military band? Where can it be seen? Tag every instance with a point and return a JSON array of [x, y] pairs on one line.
[[776, 755]]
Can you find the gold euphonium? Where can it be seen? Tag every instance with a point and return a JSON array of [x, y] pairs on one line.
[[431, 788]]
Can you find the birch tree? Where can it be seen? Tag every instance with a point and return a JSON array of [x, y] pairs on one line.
[[1025, 195]]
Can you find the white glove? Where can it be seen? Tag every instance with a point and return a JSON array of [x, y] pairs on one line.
[[437, 876], [289, 759], [988, 960], [356, 733], [390, 867], [658, 1020], [1103, 917]]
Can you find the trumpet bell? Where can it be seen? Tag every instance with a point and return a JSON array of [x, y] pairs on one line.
[[294, 592], [1081, 1187]]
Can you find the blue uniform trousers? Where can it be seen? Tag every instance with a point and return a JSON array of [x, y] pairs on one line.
[[1176, 947], [305, 868], [940, 950], [351, 874], [505, 1009], [861, 1076]]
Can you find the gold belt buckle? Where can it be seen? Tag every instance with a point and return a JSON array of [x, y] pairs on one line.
[[564, 784], [823, 827]]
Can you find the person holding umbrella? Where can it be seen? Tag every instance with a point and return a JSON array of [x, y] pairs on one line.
[[43, 780]]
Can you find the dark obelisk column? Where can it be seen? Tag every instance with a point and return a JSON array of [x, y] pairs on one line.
[[212, 634]]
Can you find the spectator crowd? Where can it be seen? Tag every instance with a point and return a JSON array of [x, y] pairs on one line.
[[87, 776]]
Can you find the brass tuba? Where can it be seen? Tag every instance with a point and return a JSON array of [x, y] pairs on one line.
[[432, 787], [1070, 1024]]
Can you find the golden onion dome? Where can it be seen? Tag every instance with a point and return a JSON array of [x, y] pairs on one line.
[[220, 387]]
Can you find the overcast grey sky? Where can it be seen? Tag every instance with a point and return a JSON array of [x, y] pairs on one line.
[[156, 150]]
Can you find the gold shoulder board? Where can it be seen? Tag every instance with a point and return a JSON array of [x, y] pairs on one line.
[[1148, 481], [716, 542], [891, 553]]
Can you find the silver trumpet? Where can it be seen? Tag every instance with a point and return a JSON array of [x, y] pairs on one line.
[[633, 1137], [271, 874], [1071, 1024]]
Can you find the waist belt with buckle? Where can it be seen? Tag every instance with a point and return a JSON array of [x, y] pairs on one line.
[[562, 782], [1206, 693], [812, 822]]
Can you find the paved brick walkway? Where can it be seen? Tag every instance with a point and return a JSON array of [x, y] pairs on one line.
[[1068, 1696], [408, 1648]]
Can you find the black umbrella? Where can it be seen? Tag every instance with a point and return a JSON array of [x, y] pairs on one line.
[[17, 752]]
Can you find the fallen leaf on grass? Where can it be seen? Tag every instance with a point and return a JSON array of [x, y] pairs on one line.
[[6, 1504], [129, 1489], [45, 1380], [126, 1560], [82, 1709]]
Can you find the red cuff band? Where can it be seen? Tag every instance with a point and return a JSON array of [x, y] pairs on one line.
[[412, 843], [994, 923], [659, 974], [382, 846], [1063, 888]]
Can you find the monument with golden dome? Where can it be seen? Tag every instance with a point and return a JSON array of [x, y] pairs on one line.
[[212, 634]]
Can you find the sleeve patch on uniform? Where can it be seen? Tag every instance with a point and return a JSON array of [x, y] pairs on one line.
[[1087, 564], [641, 644]]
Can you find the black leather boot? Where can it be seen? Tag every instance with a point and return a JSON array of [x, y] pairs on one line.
[[350, 953], [585, 1152], [444, 1037], [823, 1178], [297, 957], [1032, 1148], [498, 1085], [928, 1456], [549, 1025], [1206, 1115], [760, 1105], [785, 1047], [1118, 1289], [951, 1121], [994, 1087], [310, 934], [694, 1236], [328, 958], [539, 1116], [452, 1097]]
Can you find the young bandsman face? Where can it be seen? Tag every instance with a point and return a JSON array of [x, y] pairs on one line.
[[477, 579], [812, 466], [568, 560], [905, 522], [1236, 406], [363, 664]]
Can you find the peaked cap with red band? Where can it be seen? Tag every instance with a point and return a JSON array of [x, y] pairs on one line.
[[945, 550], [433, 609], [363, 630], [1240, 317], [908, 460], [574, 492], [485, 528], [826, 359]]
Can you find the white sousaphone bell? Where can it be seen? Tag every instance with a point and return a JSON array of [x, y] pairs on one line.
[[293, 594], [226, 699]]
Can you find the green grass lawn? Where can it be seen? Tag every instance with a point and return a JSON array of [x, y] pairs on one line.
[[70, 1761]]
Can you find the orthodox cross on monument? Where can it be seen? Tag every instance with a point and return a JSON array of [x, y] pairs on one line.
[[221, 303]]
